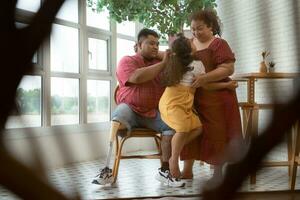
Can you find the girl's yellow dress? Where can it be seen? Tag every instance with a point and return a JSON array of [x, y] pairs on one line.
[[176, 103]]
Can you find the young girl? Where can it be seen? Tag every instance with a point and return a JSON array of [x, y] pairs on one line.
[[176, 103]]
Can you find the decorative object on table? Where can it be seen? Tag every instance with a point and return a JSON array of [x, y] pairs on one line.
[[271, 67], [263, 66]]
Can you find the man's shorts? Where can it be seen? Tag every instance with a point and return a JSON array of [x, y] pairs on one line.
[[124, 114]]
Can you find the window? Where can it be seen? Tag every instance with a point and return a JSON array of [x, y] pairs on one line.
[[28, 104], [64, 101], [97, 54], [124, 48], [29, 5], [64, 49], [126, 28], [97, 20], [98, 101], [71, 83], [69, 11]]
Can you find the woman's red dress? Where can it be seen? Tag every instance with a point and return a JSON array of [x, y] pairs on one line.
[[218, 110]]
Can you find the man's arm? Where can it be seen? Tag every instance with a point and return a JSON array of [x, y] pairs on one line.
[[145, 74]]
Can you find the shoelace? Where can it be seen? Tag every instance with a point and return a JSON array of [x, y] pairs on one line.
[[104, 171], [169, 176]]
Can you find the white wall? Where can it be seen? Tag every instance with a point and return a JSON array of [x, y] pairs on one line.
[[59, 147], [252, 26]]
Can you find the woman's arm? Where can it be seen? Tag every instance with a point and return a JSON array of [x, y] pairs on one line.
[[222, 71], [231, 85]]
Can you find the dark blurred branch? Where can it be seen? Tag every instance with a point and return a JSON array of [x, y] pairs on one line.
[[283, 119], [16, 51]]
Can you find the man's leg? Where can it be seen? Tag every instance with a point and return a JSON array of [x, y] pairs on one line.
[[122, 118], [166, 150]]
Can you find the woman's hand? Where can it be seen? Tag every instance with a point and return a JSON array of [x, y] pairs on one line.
[[199, 81], [232, 85]]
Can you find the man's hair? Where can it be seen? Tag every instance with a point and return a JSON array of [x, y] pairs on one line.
[[145, 32]]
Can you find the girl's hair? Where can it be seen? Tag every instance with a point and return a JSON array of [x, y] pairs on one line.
[[178, 62], [210, 18]]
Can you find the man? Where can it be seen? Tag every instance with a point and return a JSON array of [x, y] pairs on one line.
[[138, 98]]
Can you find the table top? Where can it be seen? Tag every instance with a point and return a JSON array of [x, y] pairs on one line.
[[269, 75]]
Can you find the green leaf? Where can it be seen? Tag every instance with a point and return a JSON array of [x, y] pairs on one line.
[[168, 16]]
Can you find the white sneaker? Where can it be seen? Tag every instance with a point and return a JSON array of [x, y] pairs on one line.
[[164, 176], [104, 177]]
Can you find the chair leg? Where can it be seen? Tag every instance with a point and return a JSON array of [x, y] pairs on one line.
[[295, 156], [118, 158], [290, 148]]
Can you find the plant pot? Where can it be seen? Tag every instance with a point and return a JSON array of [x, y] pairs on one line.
[[263, 67]]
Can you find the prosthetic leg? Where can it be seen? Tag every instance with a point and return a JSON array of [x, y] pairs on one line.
[[105, 176]]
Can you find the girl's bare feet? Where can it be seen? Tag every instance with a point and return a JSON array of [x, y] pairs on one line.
[[174, 168]]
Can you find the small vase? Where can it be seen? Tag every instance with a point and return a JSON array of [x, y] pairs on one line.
[[271, 69], [263, 67]]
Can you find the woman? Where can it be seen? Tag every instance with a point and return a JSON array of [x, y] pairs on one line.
[[218, 109]]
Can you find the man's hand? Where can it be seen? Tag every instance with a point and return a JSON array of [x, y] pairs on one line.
[[166, 57]]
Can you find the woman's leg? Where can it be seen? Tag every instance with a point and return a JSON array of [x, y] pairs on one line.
[[178, 141], [187, 172]]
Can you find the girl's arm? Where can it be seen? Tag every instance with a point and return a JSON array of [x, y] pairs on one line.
[[231, 85]]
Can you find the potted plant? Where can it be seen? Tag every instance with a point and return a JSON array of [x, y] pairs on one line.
[[263, 66], [271, 67], [168, 17]]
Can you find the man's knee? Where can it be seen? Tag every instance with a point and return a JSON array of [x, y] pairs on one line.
[[124, 115]]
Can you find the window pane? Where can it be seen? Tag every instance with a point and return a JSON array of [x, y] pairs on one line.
[[69, 11], [30, 5], [28, 103], [98, 20], [124, 48], [97, 54], [64, 49], [64, 101], [126, 28], [98, 101]]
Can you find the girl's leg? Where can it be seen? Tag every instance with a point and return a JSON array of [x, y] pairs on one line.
[[193, 134], [178, 141]]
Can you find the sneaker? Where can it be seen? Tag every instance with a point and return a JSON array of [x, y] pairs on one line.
[[164, 176], [104, 177]]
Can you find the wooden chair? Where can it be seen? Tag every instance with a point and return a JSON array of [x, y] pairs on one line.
[[295, 157], [124, 135]]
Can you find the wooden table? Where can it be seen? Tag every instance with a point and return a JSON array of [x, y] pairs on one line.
[[250, 110]]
